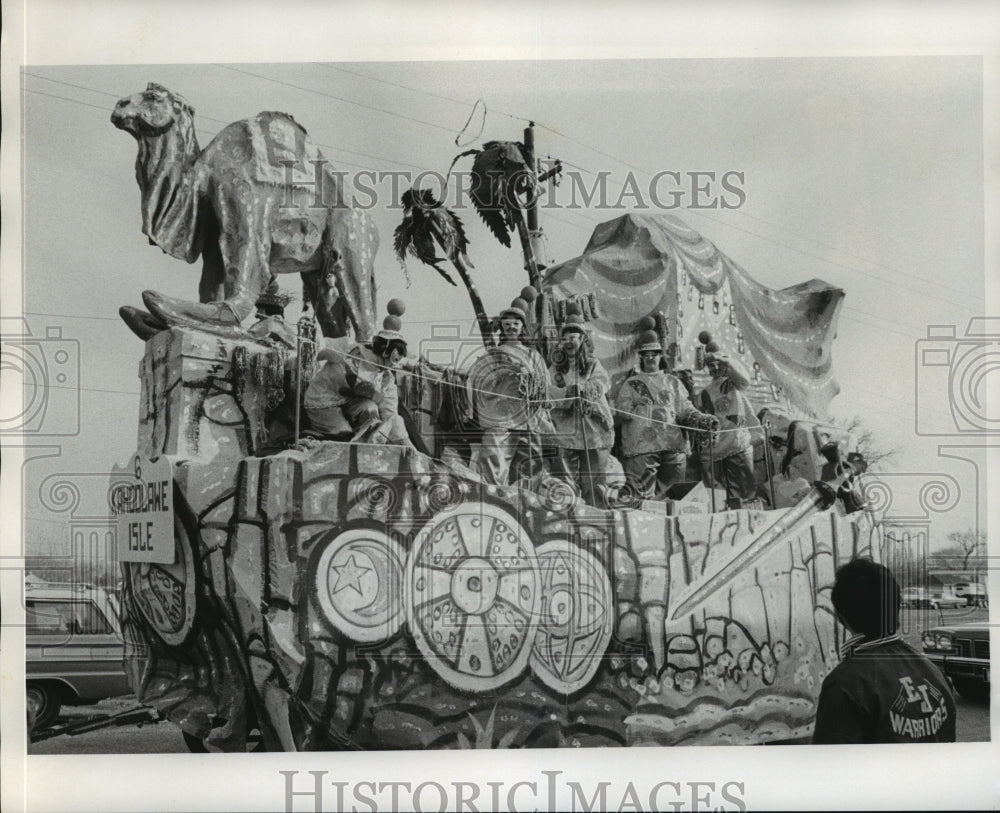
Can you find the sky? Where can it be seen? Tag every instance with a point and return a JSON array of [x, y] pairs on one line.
[[866, 173]]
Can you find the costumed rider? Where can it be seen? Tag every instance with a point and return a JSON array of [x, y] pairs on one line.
[[510, 393], [581, 412], [652, 406], [732, 451], [353, 396]]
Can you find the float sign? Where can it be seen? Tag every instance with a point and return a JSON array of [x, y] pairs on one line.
[[141, 498]]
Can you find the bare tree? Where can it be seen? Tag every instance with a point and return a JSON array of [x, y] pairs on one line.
[[964, 558], [878, 456], [967, 551]]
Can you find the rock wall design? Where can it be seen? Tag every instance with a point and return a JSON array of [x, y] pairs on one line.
[[346, 596], [342, 597]]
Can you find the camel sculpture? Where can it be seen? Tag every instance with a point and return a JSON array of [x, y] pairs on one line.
[[259, 200]]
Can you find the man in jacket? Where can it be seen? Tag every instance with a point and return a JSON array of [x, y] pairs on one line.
[[882, 691], [354, 394]]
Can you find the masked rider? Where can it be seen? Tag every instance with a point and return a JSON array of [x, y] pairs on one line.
[[732, 453], [653, 406], [511, 404], [354, 394], [581, 413]]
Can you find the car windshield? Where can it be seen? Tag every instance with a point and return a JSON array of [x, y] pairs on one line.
[[55, 617]]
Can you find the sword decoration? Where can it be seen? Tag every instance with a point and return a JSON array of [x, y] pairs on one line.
[[836, 474]]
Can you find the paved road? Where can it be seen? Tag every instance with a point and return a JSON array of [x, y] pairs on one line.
[[154, 738], [973, 724]]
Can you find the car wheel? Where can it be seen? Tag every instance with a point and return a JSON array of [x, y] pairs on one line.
[[43, 701], [972, 689]]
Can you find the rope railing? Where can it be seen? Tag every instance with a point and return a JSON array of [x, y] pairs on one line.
[[545, 402], [713, 434]]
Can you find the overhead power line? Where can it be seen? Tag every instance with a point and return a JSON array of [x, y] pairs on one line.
[[904, 276], [554, 131], [211, 133], [881, 317], [71, 84], [462, 102], [89, 389], [72, 316], [337, 98], [65, 99]]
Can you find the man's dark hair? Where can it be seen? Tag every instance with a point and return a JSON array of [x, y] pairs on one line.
[[866, 596]]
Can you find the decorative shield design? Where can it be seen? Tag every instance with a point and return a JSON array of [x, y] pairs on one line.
[[474, 589], [502, 388], [577, 617], [358, 584], [165, 594]]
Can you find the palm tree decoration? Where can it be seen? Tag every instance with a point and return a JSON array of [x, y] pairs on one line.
[[503, 186], [426, 222]]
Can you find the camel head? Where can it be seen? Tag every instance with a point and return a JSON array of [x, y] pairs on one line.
[[150, 113]]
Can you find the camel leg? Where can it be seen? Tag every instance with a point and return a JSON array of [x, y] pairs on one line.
[[210, 286], [350, 242], [243, 251], [245, 257]]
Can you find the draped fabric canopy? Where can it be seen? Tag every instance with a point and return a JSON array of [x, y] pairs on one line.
[[638, 264]]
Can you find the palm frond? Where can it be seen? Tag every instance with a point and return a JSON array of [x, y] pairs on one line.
[[414, 236], [487, 193], [451, 231], [427, 223], [502, 185]]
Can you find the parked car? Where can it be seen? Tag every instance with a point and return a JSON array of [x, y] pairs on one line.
[[915, 597], [962, 652], [73, 648], [922, 597], [946, 600], [974, 593]]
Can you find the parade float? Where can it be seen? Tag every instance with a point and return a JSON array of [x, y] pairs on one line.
[[313, 594]]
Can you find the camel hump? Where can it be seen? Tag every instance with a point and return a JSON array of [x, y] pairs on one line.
[[280, 144]]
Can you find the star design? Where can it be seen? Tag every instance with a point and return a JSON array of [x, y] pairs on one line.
[[349, 575]]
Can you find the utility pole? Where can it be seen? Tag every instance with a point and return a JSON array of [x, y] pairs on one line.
[[536, 237], [534, 229], [529, 159]]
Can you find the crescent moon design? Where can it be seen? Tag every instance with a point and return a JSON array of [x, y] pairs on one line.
[[358, 584]]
